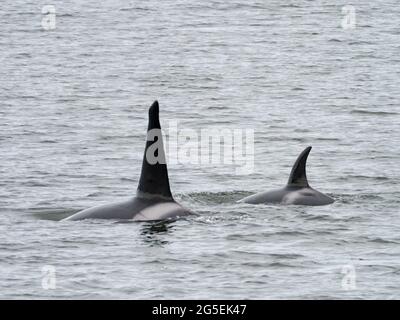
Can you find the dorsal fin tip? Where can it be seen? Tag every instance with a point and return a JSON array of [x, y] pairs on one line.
[[154, 107], [154, 121], [298, 175]]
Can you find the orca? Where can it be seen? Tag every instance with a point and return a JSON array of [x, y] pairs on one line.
[[297, 190], [153, 200]]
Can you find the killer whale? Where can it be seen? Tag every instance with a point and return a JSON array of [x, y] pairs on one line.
[[153, 200], [297, 190]]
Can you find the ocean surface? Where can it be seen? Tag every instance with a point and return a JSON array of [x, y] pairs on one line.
[[73, 118]]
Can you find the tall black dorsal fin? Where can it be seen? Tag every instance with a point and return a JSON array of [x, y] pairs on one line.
[[298, 175], [154, 177]]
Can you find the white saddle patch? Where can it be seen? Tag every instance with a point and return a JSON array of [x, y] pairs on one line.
[[157, 211], [294, 196]]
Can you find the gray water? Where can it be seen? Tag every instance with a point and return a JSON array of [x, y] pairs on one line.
[[73, 111]]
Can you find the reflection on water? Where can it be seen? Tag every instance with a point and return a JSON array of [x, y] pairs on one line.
[[152, 232]]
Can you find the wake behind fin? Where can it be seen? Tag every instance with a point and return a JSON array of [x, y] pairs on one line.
[[298, 175], [154, 176]]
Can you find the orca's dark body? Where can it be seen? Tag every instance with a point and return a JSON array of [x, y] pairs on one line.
[[153, 200], [297, 191]]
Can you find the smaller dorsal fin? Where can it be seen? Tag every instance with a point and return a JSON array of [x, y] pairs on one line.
[[298, 175]]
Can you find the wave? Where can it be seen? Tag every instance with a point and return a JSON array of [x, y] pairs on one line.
[[369, 112], [53, 214], [216, 197]]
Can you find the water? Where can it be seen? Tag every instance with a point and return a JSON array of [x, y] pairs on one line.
[[73, 116]]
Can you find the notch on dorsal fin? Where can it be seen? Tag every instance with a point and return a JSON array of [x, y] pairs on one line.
[[154, 176], [298, 175]]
